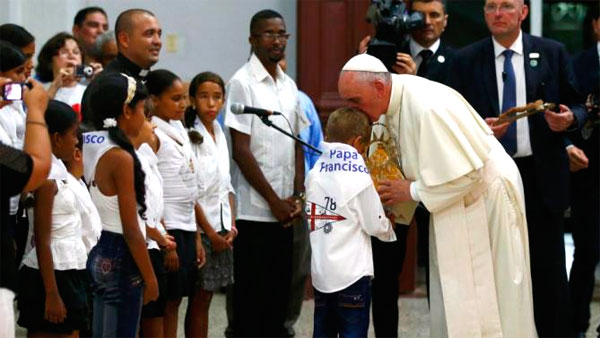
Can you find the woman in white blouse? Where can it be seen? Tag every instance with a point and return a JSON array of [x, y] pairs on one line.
[[207, 93]]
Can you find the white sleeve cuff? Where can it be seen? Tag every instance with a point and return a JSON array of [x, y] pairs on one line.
[[569, 146], [414, 192]]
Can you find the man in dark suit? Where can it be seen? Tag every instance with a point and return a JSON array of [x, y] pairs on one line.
[[425, 55], [510, 69], [585, 185]]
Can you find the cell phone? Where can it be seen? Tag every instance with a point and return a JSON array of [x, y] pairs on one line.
[[84, 71], [12, 92]]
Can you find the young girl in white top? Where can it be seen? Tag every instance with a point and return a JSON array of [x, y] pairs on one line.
[[52, 297], [119, 264], [147, 144], [182, 214], [207, 93]]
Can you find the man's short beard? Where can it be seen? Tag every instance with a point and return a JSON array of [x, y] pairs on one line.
[[276, 59]]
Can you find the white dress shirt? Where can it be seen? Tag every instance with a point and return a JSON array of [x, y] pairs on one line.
[[518, 63], [214, 180], [416, 48], [178, 167], [252, 86]]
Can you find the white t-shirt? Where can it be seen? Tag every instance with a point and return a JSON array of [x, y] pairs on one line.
[[252, 86], [178, 167], [214, 181], [66, 243], [343, 211], [71, 96]]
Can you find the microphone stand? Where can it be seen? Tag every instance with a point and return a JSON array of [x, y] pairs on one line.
[[265, 120]]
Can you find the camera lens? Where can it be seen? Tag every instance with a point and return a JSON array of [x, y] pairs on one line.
[[88, 71]]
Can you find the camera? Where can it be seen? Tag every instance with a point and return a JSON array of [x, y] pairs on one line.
[[393, 25], [84, 71], [12, 92]]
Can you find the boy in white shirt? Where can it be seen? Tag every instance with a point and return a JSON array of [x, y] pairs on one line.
[[343, 211]]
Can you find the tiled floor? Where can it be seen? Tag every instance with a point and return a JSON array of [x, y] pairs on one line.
[[414, 314]]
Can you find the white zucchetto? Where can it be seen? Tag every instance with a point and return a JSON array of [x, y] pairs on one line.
[[365, 63]]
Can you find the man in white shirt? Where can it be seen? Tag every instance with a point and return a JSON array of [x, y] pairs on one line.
[[509, 69], [268, 176]]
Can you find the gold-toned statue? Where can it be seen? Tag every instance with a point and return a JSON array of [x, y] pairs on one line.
[[383, 161]]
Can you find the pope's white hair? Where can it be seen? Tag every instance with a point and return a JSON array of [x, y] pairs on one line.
[[370, 77]]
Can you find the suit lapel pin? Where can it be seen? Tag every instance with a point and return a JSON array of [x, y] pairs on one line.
[[441, 59], [533, 59]]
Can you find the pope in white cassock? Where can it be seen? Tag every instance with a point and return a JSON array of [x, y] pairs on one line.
[[479, 259]]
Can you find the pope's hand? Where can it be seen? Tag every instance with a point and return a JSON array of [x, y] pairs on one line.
[[394, 191], [498, 130]]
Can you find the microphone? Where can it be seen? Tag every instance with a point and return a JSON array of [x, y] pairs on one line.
[[238, 109], [504, 75]]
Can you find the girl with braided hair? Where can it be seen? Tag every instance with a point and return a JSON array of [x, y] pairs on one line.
[[122, 275]]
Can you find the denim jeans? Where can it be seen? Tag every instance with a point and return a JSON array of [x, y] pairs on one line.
[[344, 313], [117, 286]]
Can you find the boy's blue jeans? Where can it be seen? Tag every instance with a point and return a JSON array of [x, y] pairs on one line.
[[344, 313], [117, 286]]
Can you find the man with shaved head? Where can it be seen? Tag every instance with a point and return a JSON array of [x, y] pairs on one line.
[[453, 164], [512, 68], [138, 35]]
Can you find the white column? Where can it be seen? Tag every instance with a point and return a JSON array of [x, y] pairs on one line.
[[536, 16]]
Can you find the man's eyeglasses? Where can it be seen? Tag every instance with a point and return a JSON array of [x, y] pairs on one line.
[[273, 36], [503, 8]]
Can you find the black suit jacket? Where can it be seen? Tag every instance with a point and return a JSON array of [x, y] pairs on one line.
[[587, 71], [548, 77], [439, 66]]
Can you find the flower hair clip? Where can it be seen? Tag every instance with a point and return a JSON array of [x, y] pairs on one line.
[[109, 123]]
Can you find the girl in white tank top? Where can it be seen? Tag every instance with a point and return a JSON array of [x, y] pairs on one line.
[[119, 264]]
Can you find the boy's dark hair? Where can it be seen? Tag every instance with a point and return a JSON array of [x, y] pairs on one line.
[[82, 14], [345, 123]]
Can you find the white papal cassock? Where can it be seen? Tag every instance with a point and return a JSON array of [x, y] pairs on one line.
[[479, 252]]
